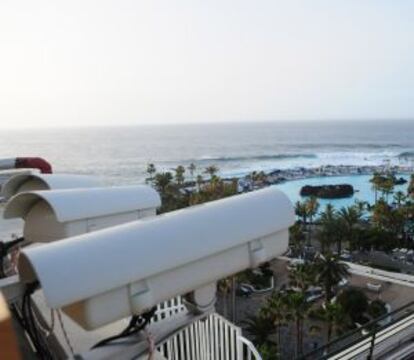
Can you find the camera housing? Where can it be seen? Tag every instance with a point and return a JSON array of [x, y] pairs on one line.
[[57, 214], [31, 182], [110, 274]]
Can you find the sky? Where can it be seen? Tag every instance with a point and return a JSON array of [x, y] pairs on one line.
[[107, 62]]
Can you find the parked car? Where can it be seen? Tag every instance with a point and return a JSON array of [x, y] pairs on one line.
[[295, 262], [313, 293], [244, 290], [346, 256], [343, 282]]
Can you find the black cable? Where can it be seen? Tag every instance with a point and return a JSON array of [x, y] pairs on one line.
[[136, 324], [27, 320], [29, 323]]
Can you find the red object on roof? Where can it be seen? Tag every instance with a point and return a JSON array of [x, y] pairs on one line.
[[34, 163]]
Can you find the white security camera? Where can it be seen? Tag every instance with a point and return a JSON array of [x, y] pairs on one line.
[[110, 274], [57, 214], [30, 182]]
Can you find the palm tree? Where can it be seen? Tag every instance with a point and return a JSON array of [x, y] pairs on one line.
[[312, 206], [192, 168], [211, 170], [328, 214], [297, 310], [329, 229], [361, 207], [275, 309], [382, 183], [179, 174], [381, 213], [296, 237], [260, 328], [151, 170], [387, 187], [301, 212], [399, 198], [302, 276], [350, 217], [338, 320], [376, 184], [199, 182], [162, 181], [330, 271]]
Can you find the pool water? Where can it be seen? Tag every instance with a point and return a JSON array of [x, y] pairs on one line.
[[362, 187]]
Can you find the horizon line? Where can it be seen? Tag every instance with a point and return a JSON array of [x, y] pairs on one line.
[[204, 123]]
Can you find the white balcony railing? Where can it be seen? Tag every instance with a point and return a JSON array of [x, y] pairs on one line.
[[211, 338]]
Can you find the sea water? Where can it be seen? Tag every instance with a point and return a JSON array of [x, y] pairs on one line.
[[119, 155]]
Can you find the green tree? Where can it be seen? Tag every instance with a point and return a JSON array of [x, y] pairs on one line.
[[330, 271], [171, 198], [380, 214], [350, 217], [377, 308], [354, 302], [389, 219], [179, 175], [151, 170], [162, 182], [399, 198], [312, 206], [302, 276], [361, 207], [298, 309], [376, 184], [301, 212], [260, 328], [296, 238], [268, 352], [328, 230], [199, 182], [337, 319], [211, 170], [192, 168], [276, 310], [384, 184]]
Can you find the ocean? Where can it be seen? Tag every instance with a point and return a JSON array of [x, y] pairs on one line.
[[119, 155]]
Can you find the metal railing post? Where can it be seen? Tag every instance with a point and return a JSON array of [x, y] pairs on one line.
[[372, 345]]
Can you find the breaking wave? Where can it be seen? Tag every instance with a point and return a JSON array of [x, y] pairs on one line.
[[345, 146], [406, 154], [259, 157]]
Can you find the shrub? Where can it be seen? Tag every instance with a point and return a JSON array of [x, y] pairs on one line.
[[354, 302], [377, 308]]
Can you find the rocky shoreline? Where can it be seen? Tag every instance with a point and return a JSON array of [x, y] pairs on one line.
[[258, 180]]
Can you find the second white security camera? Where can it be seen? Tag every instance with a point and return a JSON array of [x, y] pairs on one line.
[[110, 274]]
